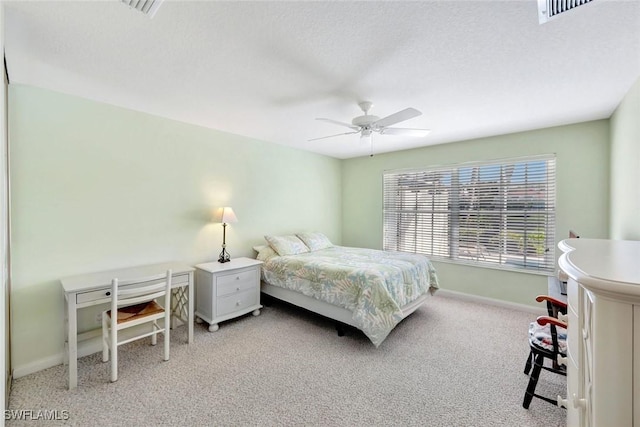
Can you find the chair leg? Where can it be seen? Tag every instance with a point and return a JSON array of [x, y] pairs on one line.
[[533, 381], [527, 366], [154, 337], [105, 338], [114, 355], [167, 324], [114, 366]]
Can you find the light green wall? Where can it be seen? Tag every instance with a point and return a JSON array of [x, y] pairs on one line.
[[625, 167], [582, 153], [96, 187]]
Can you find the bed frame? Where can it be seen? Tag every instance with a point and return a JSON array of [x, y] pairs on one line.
[[325, 309]]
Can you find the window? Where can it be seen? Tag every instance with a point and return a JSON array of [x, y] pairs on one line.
[[499, 214]]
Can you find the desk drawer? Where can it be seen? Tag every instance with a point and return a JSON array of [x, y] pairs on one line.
[[179, 280], [237, 282], [101, 294], [229, 304], [105, 293]]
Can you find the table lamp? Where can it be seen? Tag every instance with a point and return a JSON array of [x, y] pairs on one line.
[[228, 216]]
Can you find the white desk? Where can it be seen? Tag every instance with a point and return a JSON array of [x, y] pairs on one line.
[[92, 289]]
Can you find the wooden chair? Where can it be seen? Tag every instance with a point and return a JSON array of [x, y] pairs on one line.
[[547, 341], [134, 302]]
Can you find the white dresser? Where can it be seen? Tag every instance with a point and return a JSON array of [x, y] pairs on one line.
[[603, 366], [227, 290]]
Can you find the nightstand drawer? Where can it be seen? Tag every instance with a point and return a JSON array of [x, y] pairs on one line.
[[229, 304], [237, 282]]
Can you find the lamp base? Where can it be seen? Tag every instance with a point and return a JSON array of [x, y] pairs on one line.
[[224, 256]]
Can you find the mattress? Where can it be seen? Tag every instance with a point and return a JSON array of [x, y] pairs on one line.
[[374, 285]]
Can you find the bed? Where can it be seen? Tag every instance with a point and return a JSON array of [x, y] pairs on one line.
[[369, 289]]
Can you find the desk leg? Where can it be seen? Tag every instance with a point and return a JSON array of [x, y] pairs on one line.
[[182, 307], [65, 353], [72, 339], [191, 314]]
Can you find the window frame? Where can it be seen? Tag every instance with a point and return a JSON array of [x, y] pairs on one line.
[[546, 261]]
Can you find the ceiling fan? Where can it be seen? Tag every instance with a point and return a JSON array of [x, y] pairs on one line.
[[367, 124]]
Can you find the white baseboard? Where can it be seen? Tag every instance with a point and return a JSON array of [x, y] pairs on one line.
[[541, 310], [85, 348], [38, 365]]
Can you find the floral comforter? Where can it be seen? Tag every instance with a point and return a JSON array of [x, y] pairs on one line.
[[372, 284]]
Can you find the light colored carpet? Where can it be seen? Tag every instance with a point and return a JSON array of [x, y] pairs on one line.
[[451, 363]]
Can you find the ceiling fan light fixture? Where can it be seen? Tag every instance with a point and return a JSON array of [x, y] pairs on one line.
[[148, 7], [366, 139]]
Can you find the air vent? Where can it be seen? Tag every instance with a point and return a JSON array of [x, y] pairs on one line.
[[148, 7], [551, 9]]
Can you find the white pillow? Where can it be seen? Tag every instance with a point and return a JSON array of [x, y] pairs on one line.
[[286, 245], [315, 241], [264, 252]]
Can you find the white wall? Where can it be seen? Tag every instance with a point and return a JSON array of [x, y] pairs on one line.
[[96, 187], [4, 231], [625, 167]]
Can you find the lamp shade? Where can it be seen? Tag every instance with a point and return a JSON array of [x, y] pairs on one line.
[[228, 216]]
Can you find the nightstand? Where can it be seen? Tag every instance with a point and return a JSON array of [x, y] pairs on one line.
[[227, 290]]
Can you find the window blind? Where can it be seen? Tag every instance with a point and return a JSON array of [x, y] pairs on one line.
[[496, 214]]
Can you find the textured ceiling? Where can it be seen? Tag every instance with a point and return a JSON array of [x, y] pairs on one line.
[[267, 69]]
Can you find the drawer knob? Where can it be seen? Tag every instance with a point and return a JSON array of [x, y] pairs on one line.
[[563, 403], [237, 277], [108, 294], [579, 403], [238, 288], [562, 361], [238, 303]]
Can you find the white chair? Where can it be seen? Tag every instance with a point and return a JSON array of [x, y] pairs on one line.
[[135, 305]]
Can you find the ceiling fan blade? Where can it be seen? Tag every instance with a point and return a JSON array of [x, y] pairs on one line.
[[331, 136], [406, 114], [335, 122], [417, 133]]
